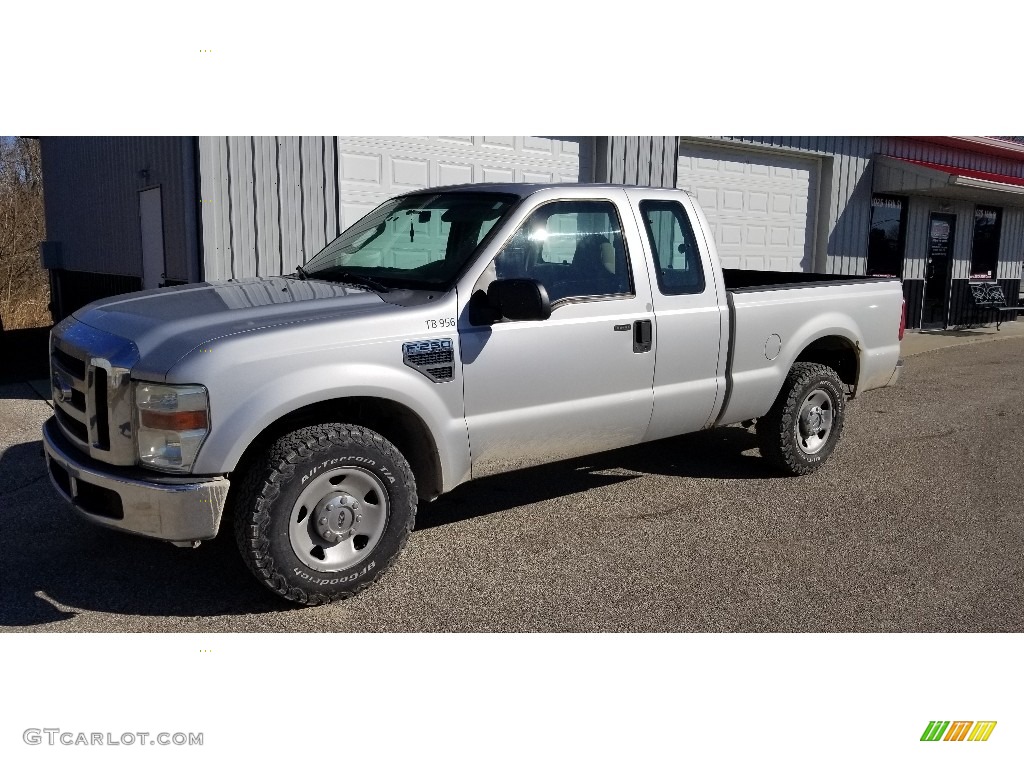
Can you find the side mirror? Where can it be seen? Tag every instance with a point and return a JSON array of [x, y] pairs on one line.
[[519, 299]]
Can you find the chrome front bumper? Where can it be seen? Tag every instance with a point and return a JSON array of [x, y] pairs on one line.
[[180, 510]]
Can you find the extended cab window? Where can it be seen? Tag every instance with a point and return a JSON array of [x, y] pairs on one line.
[[673, 246], [574, 248]]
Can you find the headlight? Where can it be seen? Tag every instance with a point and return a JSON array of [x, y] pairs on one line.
[[173, 420]]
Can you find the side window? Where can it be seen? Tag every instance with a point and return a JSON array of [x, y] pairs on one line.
[[673, 246], [574, 248]]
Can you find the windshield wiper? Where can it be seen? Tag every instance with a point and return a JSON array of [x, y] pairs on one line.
[[303, 274], [364, 281]]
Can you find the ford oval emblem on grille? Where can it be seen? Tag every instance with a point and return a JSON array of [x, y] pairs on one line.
[[61, 388]]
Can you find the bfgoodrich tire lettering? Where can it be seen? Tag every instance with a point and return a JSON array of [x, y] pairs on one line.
[[324, 512], [805, 423]]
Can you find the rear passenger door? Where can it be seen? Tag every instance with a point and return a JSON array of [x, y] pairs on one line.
[[689, 383], [580, 381]]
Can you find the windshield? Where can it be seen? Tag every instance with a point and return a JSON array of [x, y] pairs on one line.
[[417, 241]]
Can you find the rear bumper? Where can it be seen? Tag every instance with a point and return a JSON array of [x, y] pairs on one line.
[[180, 510], [896, 374]]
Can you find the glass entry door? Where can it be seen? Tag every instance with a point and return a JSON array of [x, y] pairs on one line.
[[941, 233]]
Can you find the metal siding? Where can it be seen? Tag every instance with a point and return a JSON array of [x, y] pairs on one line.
[[331, 224], [314, 208], [215, 206], [964, 239], [243, 219], [1011, 244], [292, 229], [916, 244], [629, 150], [643, 160], [848, 201], [913, 295], [270, 202], [264, 158], [92, 207], [189, 176], [644, 152]]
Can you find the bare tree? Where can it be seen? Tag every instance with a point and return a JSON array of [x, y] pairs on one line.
[[24, 287]]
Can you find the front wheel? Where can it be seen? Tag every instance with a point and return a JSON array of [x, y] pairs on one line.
[[804, 425], [324, 512]]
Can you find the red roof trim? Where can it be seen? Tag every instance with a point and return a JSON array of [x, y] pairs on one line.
[[952, 170], [984, 145]]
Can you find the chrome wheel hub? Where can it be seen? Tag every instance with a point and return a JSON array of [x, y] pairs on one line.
[[335, 517], [814, 424], [338, 518]]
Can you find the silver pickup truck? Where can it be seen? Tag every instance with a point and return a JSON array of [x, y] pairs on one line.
[[449, 334]]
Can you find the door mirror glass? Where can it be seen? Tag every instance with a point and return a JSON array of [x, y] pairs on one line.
[[519, 299]]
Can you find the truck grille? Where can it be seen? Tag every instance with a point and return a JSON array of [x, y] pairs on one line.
[[89, 378]]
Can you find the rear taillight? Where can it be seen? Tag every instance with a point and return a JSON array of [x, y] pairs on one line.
[[903, 319]]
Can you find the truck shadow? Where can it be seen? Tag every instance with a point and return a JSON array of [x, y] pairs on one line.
[[716, 454], [57, 566]]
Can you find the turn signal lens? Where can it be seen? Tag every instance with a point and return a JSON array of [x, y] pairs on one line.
[[179, 422]]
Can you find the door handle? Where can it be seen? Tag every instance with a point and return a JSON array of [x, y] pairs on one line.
[[642, 336]]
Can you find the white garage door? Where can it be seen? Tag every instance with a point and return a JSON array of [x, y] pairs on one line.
[[372, 168], [760, 206]]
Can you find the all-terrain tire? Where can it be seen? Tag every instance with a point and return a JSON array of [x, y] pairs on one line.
[[805, 423], [324, 512]]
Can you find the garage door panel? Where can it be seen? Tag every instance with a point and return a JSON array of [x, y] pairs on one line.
[[359, 168], [760, 206], [537, 144], [781, 203], [500, 142], [757, 202], [410, 173], [374, 168], [498, 175], [732, 200], [454, 173]]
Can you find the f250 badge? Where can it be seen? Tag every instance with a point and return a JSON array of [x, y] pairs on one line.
[[434, 358]]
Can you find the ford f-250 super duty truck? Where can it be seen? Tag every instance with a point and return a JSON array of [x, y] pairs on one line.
[[449, 334]]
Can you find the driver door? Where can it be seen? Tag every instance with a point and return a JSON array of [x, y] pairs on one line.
[[580, 381]]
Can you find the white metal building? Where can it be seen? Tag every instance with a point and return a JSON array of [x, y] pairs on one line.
[[939, 212]]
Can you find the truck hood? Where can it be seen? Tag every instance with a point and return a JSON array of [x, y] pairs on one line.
[[165, 324]]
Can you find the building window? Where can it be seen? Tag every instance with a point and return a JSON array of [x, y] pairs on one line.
[[985, 251], [887, 235]]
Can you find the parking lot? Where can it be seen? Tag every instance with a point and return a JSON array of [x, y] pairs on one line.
[[915, 524]]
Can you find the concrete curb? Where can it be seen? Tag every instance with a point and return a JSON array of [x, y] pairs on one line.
[[919, 342]]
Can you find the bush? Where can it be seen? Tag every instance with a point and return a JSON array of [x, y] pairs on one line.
[[24, 284]]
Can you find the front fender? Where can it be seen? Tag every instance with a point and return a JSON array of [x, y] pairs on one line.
[[238, 418]]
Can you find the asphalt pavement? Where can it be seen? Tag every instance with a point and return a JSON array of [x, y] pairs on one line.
[[914, 524]]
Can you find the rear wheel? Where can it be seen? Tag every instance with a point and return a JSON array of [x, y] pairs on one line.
[[324, 512], [805, 424]]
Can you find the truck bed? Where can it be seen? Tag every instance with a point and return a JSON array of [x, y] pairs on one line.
[[775, 316], [737, 280]]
